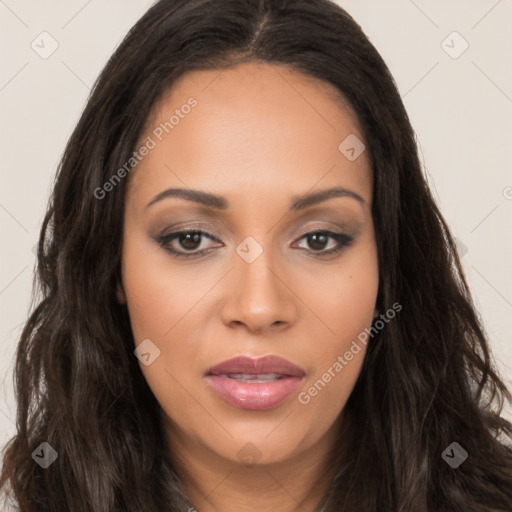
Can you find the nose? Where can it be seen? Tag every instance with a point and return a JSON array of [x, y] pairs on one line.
[[259, 296]]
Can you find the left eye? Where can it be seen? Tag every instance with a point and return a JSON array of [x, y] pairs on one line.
[[190, 241], [317, 240]]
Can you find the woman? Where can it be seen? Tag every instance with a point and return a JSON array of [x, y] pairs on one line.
[[250, 299]]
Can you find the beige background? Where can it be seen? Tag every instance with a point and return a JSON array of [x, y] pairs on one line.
[[460, 107]]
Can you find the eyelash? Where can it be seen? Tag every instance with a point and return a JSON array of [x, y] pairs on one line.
[[164, 241]]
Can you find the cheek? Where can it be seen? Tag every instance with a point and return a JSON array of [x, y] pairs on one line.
[[344, 305], [160, 300], [343, 295], [157, 293]]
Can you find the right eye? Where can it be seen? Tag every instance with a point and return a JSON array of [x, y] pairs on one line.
[[189, 240]]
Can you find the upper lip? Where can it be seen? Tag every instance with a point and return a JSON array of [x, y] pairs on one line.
[[259, 366]]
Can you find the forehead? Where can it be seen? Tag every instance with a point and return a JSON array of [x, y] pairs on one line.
[[257, 125], [269, 84]]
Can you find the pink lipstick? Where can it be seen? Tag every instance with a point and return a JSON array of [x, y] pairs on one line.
[[255, 384]]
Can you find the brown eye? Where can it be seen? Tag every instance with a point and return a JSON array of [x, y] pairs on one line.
[[317, 241], [186, 243], [189, 241]]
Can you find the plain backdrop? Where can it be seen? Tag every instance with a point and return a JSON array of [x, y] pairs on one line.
[[451, 61]]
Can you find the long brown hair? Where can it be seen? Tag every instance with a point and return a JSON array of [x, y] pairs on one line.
[[427, 379]]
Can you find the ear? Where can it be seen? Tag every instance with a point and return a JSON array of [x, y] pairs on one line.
[[121, 297]]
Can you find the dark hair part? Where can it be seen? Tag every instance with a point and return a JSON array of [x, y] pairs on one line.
[[427, 378]]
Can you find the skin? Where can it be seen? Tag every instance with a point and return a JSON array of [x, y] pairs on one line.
[[260, 136]]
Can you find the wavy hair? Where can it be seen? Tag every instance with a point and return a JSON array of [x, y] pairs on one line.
[[427, 380]]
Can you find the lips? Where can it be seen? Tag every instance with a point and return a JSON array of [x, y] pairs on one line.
[[260, 366], [255, 384]]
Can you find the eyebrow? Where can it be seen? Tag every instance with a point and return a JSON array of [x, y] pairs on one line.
[[221, 203]]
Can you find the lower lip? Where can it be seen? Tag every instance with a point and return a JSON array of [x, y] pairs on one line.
[[254, 396]]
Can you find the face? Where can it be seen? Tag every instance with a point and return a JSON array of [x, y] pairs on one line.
[[270, 267]]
